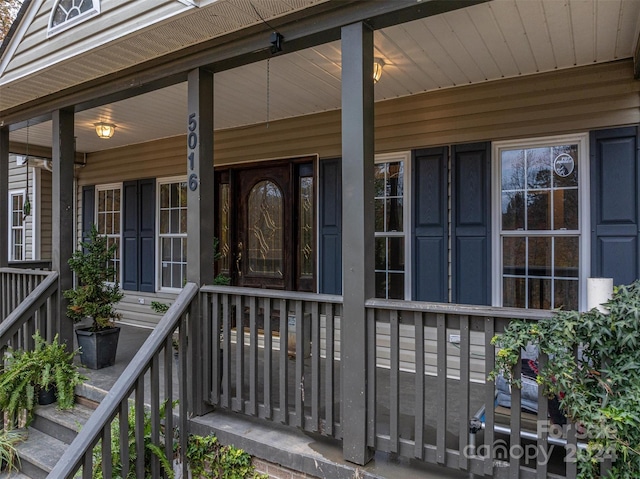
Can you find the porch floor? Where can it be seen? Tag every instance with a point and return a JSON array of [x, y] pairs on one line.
[[290, 447]]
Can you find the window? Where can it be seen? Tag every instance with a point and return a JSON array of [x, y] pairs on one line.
[[108, 219], [173, 233], [390, 180], [16, 226], [541, 192], [67, 13]]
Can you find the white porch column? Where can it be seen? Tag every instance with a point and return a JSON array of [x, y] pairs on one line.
[[200, 221], [358, 232], [62, 214]]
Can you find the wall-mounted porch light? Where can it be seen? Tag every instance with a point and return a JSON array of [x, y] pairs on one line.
[[105, 130], [378, 64]]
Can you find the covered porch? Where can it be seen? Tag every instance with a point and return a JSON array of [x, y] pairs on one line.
[[391, 288]]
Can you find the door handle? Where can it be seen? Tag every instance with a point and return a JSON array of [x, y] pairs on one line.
[[239, 259]]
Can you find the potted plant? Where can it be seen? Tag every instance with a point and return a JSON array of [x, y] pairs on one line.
[[95, 297], [599, 387], [26, 373]]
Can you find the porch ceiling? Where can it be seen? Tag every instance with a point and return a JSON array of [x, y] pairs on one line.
[[485, 42]]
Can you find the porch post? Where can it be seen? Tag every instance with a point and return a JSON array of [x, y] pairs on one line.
[[62, 236], [200, 217], [358, 232], [4, 196]]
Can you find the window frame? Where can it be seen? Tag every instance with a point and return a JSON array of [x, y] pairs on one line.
[[54, 30], [584, 229], [159, 183], [407, 201], [21, 193], [96, 212]]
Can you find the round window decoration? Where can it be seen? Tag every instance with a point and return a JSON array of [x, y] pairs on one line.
[[563, 165]]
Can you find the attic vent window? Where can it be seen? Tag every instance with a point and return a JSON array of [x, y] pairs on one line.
[[67, 13]]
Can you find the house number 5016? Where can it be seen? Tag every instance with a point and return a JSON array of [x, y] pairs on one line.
[[192, 143]]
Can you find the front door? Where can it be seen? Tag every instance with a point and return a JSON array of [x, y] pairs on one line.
[[266, 222]]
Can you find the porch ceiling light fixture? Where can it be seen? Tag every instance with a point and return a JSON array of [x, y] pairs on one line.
[[378, 65], [105, 130]]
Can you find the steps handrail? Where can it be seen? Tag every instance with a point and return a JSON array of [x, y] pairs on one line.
[[91, 432], [34, 301]]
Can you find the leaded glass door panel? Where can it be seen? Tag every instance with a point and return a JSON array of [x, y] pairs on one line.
[[263, 256]]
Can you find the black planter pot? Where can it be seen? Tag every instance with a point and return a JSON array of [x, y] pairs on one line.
[[46, 396], [98, 348]]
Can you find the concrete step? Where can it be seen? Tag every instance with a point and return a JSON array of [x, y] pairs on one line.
[[13, 475], [48, 436], [39, 453], [63, 425]]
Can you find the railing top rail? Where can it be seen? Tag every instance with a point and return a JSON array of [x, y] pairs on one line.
[[460, 309], [35, 272], [26, 308], [273, 293], [92, 430]]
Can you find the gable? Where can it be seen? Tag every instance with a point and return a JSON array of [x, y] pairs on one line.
[[121, 35]]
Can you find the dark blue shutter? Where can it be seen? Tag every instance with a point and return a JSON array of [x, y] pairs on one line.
[[471, 224], [138, 236], [130, 222], [615, 204], [88, 210], [330, 226], [147, 252], [429, 229]]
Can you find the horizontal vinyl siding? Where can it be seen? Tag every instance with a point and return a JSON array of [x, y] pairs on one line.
[[551, 103], [45, 214], [156, 159]]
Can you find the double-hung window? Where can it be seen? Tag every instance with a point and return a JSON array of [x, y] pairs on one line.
[[17, 226], [172, 230], [108, 222], [541, 242], [391, 223]]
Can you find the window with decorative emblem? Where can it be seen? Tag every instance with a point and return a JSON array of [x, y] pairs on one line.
[[540, 225]]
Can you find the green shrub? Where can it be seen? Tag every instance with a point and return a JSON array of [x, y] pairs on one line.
[[150, 449], [600, 390], [211, 460]]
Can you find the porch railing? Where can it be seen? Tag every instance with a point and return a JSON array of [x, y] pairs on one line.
[[35, 312], [274, 355], [427, 370], [153, 366], [15, 285]]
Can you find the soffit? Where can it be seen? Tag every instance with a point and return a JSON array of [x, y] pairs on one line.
[[486, 42]]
